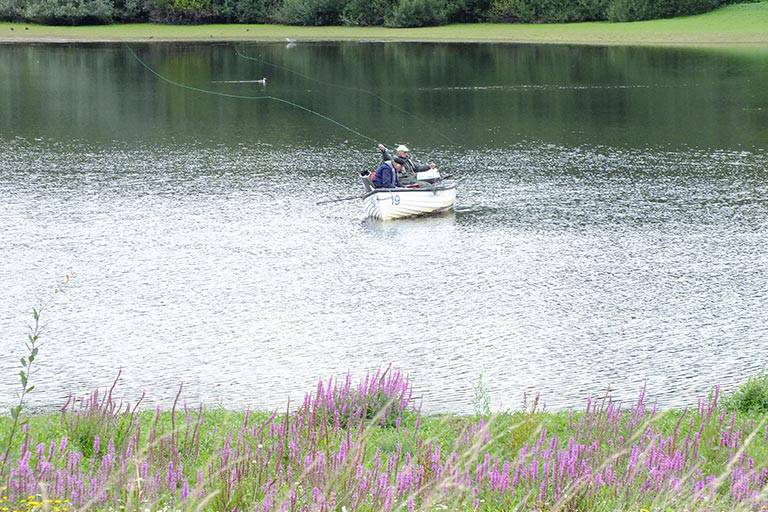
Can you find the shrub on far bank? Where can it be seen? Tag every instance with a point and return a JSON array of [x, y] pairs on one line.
[[311, 12], [468, 11], [548, 11], [10, 9], [751, 397], [245, 11], [367, 12], [634, 10], [181, 11], [67, 12], [131, 10], [200, 11], [419, 13], [392, 13]]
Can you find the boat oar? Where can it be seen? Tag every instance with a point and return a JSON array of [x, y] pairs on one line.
[[339, 199]]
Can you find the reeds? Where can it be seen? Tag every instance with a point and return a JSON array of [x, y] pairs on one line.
[[364, 446]]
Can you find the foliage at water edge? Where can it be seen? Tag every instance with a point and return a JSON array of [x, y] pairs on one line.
[[394, 13]]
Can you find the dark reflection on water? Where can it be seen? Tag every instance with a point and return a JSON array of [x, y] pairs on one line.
[[471, 95], [610, 228]]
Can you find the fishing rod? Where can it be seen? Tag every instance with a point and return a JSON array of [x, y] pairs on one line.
[[339, 86], [340, 199], [261, 97], [244, 97]]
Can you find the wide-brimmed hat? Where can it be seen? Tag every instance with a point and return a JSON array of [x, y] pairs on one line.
[[402, 147]]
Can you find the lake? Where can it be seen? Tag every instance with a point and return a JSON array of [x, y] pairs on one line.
[[610, 232]]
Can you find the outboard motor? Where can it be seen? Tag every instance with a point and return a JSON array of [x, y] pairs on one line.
[[430, 176]]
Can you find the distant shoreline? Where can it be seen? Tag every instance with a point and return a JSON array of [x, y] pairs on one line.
[[740, 25]]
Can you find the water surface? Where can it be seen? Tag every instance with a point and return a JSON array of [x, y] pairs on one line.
[[611, 228]]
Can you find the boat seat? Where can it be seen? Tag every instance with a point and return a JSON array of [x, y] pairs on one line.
[[367, 184]]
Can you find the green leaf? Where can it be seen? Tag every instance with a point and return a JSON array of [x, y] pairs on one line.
[[34, 352], [23, 362], [35, 314], [30, 388], [23, 378], [15, 412]]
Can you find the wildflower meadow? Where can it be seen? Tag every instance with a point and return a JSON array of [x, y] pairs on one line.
[[365, 446]]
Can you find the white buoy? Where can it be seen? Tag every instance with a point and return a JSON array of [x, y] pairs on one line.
[[262, 81]]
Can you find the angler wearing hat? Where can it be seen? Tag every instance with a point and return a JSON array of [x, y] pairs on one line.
[[410, 166], [386, 175]]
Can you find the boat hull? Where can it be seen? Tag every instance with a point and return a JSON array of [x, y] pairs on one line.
[[398, 203]]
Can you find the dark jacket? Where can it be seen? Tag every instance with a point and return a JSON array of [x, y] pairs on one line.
[[410, 166], [386, 177]]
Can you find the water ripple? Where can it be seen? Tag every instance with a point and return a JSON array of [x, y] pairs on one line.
[[563, 270]]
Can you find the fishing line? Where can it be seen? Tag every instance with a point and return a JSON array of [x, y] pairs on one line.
[[349, 88], [243, 97]]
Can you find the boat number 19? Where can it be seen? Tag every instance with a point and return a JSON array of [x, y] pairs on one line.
[[395, 199]]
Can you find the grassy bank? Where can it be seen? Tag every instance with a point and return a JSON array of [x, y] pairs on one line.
[[363, 446], [740, 24]]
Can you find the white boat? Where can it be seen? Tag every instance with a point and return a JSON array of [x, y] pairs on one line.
[[397, 203]]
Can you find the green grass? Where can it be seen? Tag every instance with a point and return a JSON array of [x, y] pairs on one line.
[[751, 397], [740, 24], [510, 431]]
